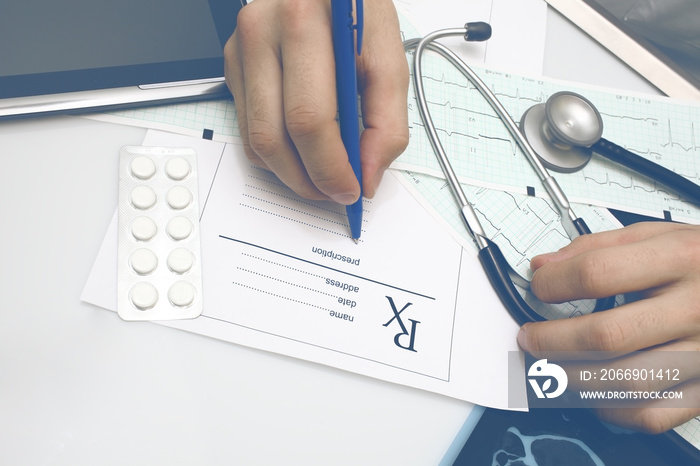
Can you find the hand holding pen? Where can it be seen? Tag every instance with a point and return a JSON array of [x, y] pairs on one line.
[[280, 69]]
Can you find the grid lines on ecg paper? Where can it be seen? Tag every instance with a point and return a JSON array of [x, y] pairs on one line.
[[216, 115], [690, 431], [483, 153]]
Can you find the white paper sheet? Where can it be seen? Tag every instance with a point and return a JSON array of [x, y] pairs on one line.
[[407, 304], [519, 30]]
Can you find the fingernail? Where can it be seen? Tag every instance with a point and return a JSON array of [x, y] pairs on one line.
[[541, 259], [522, 338], [547, 255], [544, 255], [344, 198]]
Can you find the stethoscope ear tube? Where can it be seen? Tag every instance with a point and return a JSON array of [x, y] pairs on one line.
[[686, 188]]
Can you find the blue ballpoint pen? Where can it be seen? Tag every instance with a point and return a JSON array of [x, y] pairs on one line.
[[346, 84]]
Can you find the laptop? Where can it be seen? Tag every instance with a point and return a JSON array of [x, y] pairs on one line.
[[73, 56]]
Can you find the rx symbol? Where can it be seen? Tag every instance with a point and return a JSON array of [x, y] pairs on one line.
[[404, 330]]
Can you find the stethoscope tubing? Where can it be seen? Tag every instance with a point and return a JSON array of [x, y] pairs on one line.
[[469, 216], [497, 268], [498, 271], [688, 190]]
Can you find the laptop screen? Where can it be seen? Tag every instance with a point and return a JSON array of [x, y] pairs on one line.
[[57, 46]]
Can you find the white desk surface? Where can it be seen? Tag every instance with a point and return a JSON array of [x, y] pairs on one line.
[[78, 386]]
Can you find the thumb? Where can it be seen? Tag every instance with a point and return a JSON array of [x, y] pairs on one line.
[[383, 80]]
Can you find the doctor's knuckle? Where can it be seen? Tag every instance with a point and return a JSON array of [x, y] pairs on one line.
[[693, 309], [591, 275], [605, 335], [689, 243], [654, 421], [252, 156], [304, 119], [542, 287], [644, 385], [582, 242], [248, 23], [263, 138], [539, 341], [296, 15]]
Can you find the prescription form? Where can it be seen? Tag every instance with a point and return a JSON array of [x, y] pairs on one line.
[[408, 304]]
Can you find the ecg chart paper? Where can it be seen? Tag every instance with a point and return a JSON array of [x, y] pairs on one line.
[[483, 153], [408, 304]]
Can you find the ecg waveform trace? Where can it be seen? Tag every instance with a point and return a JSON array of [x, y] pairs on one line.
[[483, 153]]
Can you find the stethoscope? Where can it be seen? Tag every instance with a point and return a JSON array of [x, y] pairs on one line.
[[561, 135]]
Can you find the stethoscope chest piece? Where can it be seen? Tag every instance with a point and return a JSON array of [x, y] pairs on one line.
[[562, 131]]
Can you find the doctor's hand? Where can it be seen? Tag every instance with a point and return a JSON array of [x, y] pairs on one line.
[[281, 71], [659, 263]]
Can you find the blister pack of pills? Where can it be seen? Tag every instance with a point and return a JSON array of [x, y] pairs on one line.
[[159, 271]]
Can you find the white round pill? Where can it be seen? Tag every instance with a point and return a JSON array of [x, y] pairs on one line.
[[143, 228], [179, 228], [143, 295], [143, 168], [143, 261], [180, 260], [179, 197], [181, 294], [143, 197], [177, 168]]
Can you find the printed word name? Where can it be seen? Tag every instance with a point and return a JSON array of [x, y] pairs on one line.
[[342, 316]]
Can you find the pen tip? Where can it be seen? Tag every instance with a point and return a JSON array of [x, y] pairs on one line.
[[355, 240]]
